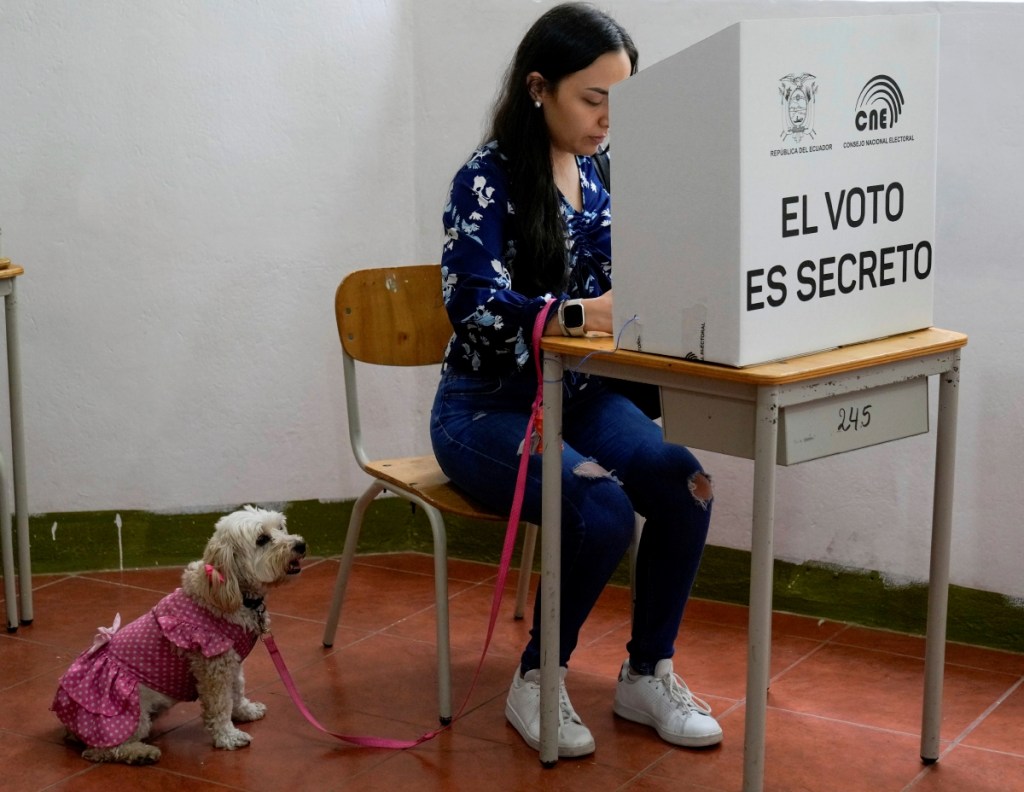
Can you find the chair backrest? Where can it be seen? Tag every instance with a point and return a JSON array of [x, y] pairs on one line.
[[393, 316]]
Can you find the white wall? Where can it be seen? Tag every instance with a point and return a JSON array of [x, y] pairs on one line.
[[185, 184]]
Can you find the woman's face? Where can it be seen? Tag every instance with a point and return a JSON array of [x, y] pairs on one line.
[[576, 110]]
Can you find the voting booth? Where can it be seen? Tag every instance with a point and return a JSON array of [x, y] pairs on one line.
[[774, 189]]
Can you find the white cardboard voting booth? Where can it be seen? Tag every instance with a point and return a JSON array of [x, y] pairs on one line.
[[774, 189]]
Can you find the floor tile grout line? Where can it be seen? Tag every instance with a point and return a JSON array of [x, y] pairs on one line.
[[835, 641], [968, 730], [642, 772], [820, 645], [69, 778], [846, 722], [790, 669], [920, 657], [928, 769], [958, 740], [93, 575], [737, 703], [973, 725]]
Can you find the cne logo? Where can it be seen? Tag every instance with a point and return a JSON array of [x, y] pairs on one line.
[[879, 105]]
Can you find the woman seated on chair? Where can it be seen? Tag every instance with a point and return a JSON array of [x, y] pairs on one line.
[[527, 221]]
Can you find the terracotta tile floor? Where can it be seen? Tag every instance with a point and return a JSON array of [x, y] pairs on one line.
[[844, 705]]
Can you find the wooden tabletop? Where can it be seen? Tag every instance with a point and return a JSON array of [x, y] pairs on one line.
[[9, 270], [891, 349]]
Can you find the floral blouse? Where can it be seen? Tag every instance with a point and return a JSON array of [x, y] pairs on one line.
[[493, 322]]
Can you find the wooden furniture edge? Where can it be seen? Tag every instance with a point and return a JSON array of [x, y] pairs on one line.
[[891, 349]]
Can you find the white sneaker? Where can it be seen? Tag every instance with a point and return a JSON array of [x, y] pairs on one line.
[[666, 703], [523, 711]]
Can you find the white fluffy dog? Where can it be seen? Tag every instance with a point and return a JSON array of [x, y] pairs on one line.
[[190, 645]]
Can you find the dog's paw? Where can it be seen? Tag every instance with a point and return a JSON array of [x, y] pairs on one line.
[[231, 739], [133, 753], [248, 711]]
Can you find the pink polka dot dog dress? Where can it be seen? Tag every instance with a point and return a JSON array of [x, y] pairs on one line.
[[98, 696]]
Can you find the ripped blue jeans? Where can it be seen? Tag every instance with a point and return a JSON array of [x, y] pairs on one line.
[[615, 462]]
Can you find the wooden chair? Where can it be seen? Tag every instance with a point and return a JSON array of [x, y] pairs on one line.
[[395, 317]]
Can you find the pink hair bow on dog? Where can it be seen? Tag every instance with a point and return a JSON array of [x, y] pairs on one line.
[[214, 574], [105, 634]]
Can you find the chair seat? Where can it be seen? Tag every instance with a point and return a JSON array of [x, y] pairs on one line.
[[423, 476]]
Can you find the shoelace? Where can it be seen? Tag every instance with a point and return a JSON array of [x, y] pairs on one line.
[[680, 694], [565, 711]]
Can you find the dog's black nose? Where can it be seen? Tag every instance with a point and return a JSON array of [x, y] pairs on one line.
[[300, 548]]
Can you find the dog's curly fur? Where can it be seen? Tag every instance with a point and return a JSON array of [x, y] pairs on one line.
[[250, 551]]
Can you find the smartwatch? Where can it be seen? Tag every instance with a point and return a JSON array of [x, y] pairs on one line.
[[572, 317]]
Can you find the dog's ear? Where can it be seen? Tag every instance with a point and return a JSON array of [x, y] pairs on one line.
[[219, 579]]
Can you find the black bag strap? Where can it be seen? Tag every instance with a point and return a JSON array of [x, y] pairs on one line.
[[604, 168]]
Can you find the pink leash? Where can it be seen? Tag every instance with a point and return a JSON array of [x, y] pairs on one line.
[[533, 423]]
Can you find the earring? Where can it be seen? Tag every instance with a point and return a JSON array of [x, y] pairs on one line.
[[536, 103]]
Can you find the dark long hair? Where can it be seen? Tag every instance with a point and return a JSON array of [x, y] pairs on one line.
[[564, 40]]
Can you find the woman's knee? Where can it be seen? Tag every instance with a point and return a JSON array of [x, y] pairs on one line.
[[701, 489], [670, 470], [601, 503]]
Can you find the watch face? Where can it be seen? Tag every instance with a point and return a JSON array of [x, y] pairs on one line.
[[572, 315]]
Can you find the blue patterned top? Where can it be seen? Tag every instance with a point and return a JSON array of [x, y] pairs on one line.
[[492, 321]]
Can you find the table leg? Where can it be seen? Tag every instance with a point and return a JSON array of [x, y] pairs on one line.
[[18, 453], [938, 576], [761, 559], [7, 543], [551, 559]]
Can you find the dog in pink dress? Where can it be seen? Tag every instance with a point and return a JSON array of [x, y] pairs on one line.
[[189, 646]]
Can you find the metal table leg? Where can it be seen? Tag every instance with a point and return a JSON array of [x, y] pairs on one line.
[[551, 559], [766, 436], [938, 576], [7, 542], [18, 453]]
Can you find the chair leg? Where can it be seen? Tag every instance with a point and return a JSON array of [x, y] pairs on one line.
[[638, 527], [526, 566], [355, 525], [444, 657], [525, 569]]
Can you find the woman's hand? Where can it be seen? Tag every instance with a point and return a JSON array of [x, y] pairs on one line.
[[598, 313], [597, 316]]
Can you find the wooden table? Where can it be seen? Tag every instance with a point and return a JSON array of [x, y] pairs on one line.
[[8, 274], [776, 413]]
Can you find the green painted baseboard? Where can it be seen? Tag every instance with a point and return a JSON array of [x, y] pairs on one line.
[[85, 541]]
